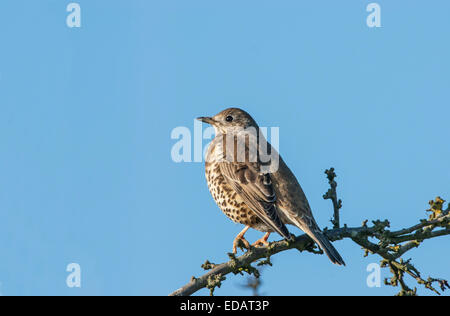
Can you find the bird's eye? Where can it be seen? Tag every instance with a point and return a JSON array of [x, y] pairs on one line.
[[229, 118]]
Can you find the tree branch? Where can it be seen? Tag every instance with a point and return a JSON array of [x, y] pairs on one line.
[[391, 246], [332, 195]]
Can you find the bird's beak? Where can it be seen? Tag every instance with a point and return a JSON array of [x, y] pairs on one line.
[[205, 119]]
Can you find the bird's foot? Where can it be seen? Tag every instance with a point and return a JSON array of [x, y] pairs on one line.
[[262, 241], [240, 242]]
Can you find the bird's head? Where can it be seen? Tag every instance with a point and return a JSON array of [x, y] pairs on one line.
[[231, 120]]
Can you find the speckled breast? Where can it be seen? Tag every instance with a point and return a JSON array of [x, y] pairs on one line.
[[229, 201]]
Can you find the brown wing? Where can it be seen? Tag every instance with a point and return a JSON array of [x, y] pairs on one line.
[[256, 190]]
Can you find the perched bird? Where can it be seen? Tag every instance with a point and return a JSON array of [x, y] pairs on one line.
[[259, 193]]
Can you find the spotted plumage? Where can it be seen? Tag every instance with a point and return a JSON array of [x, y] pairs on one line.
[[251, 190], [231, 204]]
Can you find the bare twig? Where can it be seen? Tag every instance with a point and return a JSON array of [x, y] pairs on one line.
[[243, 263], [390, 247], [332, 195], [253, 283]]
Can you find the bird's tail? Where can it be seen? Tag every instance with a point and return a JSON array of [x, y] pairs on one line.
[[327, 247]]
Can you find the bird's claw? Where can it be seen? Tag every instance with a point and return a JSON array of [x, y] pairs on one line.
[[240, 242], [261, 243]]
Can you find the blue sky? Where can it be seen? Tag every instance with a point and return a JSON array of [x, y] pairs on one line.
[[86, 116]]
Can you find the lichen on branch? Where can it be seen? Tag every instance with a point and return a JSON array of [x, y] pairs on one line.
[[389, 245]]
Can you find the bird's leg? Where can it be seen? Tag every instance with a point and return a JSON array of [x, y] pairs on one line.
[[240, 237], [262, 241]]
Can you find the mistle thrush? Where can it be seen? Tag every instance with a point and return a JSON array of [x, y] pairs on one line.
[[261, 194]]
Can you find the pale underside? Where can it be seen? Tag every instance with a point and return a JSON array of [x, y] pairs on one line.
[[291, 209]]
